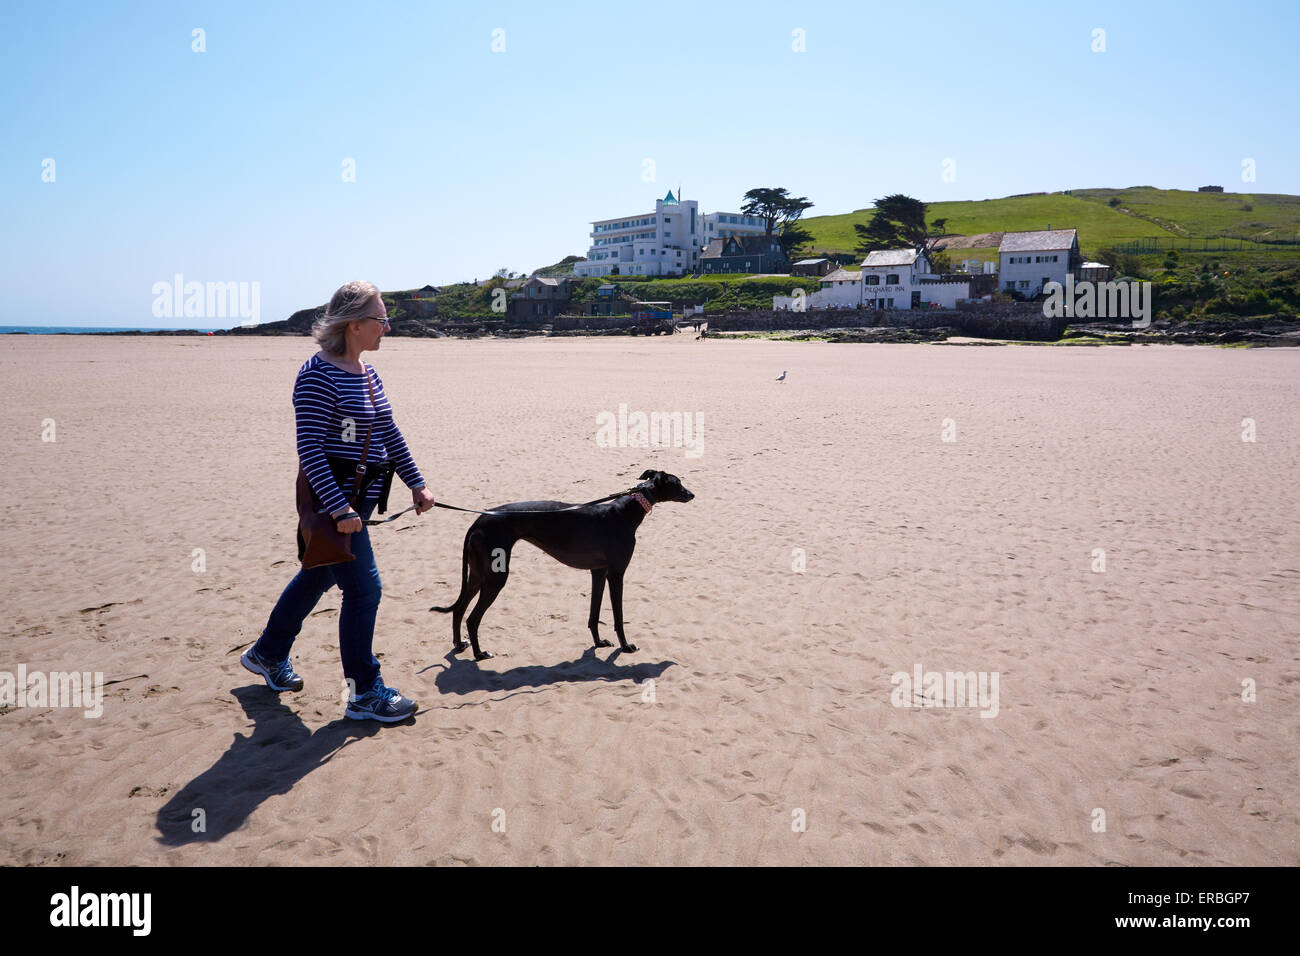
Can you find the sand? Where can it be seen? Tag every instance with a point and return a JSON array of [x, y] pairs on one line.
[[835, 541]]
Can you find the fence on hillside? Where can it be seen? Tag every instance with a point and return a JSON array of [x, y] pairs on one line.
[[1152, 245]]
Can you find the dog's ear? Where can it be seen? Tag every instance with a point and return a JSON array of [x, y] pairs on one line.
[[647, 474]]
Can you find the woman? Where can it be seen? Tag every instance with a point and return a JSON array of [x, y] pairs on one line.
[[333, 408]]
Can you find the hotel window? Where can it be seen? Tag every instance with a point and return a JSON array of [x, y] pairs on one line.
[[891, 279], [872, 280], [1024, 283]]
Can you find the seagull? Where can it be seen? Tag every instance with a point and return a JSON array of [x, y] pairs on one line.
[[782, 378]]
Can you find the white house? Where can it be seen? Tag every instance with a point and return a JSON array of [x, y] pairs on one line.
[[890, 279], [1029, 260], [667, 241]]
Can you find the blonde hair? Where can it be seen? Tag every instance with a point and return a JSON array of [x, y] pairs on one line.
[[348, 304]]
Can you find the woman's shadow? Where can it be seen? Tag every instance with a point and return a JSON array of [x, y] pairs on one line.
[[280, 752]]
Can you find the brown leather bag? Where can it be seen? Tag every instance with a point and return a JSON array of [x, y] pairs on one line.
[[320, 543]]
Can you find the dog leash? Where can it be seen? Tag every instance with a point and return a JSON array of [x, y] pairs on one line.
[[439, 504]]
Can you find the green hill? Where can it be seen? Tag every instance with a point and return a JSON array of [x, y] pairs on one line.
[[1105, 218]]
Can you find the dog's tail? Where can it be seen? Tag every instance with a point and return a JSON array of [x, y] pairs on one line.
[[464, 581]]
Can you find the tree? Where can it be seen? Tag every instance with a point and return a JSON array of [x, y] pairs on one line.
[[792, 235], [776, 207], [899, 221]]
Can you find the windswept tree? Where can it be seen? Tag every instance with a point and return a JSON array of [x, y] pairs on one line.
[[776, 207], [899, 221]]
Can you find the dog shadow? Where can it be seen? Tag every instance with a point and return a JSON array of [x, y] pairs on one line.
[[280, 751], [463, 675]]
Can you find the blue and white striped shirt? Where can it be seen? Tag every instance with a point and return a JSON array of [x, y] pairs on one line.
[[332, 409]]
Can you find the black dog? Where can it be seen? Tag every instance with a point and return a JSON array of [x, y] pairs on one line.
[[596, 537]]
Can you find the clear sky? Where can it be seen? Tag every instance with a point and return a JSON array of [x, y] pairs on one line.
[[228, 165]]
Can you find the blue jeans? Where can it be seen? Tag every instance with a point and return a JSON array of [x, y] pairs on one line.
[[359, 582]]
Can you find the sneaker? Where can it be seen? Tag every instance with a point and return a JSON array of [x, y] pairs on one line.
[[385, 704], [279, 674]]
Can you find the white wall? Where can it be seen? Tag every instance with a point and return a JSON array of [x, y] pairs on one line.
[[1032, 272], [942, 294]]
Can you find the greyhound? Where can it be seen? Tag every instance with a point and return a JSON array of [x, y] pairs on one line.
[[594, 537]]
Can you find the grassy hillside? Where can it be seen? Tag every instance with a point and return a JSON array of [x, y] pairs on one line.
[[1259, 216], [1137, 212]]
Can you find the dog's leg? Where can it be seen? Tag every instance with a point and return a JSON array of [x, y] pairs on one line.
[[597, 592], [493, 582], [616, 602], [471, 580], [473, 583]]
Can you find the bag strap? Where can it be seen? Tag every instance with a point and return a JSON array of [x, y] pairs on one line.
[[365, 451]]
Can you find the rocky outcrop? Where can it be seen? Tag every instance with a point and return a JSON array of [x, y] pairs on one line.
[[1012, 320]]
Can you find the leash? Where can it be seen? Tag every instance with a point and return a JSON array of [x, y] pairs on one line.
[[438, 504]]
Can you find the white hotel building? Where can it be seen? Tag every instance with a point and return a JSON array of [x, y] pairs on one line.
[[720, 225], [667, 241]]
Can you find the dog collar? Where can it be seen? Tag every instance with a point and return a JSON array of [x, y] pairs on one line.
[[643, 501]]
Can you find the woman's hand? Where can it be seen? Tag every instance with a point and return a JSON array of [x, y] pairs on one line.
[[351, 525], [422, 498]]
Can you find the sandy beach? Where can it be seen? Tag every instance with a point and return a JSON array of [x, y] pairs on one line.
[[1097, 537]]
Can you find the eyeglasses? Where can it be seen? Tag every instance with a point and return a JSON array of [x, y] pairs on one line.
[[377, 318]]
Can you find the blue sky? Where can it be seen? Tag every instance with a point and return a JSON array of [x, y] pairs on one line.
[[227, 165]]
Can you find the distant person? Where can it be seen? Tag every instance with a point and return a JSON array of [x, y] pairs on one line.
[[332, 407]]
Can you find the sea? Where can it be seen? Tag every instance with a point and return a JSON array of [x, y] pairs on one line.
[[85, 329]]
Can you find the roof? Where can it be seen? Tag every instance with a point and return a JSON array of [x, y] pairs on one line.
[[670, 198], [842, 275], [749, 245], [809, 262], [1046, 239], [890, 257], [607, 285]]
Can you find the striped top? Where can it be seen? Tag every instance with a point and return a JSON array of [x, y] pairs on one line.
[[326, 401]]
